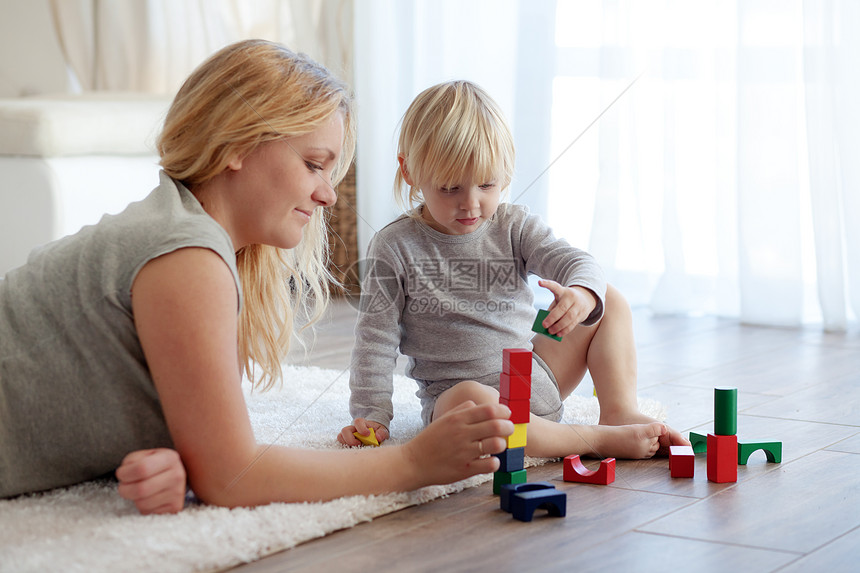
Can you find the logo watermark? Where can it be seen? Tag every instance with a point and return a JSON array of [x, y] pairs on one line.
[[435, 286]]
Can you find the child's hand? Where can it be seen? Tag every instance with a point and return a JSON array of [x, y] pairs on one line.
[[571, 306], [362, 426], [457, 445], [154, 480]]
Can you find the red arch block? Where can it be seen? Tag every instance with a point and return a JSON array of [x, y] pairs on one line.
[[576, 472]]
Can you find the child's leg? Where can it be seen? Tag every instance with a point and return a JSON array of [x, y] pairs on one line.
[[548, 439], [608, 351], [459, 393]]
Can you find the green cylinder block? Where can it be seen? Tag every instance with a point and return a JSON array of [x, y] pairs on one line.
[[725, 411]]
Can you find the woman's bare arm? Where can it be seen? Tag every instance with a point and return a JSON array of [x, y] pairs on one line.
[[185, 308]]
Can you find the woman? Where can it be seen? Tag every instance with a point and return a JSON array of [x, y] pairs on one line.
[[134, 333]]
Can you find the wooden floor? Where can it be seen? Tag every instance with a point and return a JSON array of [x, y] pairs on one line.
[[802, 515]]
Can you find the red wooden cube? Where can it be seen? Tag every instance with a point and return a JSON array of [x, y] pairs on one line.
[[520, 410], [517, 361], [682, 461], [515, 387]]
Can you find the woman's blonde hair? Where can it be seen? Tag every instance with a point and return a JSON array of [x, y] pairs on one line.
[[452, 131], [246, 94]]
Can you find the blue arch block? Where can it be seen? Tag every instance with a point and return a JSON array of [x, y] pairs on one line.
[[510, 489], [523, 505], [523, 499]]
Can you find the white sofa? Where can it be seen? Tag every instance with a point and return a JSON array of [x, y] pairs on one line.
[[65, 158]]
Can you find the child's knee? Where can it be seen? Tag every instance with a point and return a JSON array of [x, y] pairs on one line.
[[477, 392], [616, 304], [469, 390]]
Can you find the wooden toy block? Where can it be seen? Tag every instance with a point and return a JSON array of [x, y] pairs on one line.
[[504, 478], [682, 461], [518, 438], [722, 458], [576, 472], [538, 327], [520, 410], [699, 442], [515, 386], [512, 459], [773, 451], [524, 504], [517, 361], [509, 489], [725, 411], [367, 440]]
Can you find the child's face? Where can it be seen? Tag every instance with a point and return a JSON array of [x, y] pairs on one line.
[[461, 208]]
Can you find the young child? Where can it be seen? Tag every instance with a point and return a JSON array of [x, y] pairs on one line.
[[447, 284], [125, 344]]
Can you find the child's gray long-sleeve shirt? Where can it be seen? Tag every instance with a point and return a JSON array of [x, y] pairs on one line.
[[452, 303]]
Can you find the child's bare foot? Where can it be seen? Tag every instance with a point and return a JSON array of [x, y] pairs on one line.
[[633, 441], [671, 437]]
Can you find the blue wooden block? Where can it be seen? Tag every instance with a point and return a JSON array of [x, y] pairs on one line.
[[509, 489], [512, 459], [523, 504]]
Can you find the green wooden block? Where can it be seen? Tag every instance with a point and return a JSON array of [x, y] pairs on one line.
[[773, 451], [538, 327], [699, 442], [504, 478], [725, 411]]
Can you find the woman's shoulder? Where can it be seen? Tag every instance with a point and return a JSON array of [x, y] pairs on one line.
[[169, 215], [167, 220]]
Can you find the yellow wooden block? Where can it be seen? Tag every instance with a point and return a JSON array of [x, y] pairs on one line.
[[367, 440], [518, 438]]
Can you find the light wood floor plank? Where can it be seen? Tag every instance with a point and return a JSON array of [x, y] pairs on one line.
[[798, 507], [795, 386]]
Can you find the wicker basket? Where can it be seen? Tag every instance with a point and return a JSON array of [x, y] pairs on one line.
[[343, 237]]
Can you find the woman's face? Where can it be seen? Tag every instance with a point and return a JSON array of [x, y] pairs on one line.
[[277, 187]]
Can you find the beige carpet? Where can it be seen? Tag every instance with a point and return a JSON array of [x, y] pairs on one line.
[[90, 528]]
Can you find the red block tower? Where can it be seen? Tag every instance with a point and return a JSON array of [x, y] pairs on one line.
[[515, 391]]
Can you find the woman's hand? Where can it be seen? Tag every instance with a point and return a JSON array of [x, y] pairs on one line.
[[571, 306], [362, 426], [457, 445], [154, 480]]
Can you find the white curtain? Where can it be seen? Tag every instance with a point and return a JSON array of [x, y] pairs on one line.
[[152, 45], [831, 53], [721, 182]]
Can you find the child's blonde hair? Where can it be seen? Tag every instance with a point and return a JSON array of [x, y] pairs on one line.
[[452, 131], [246, 94]]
